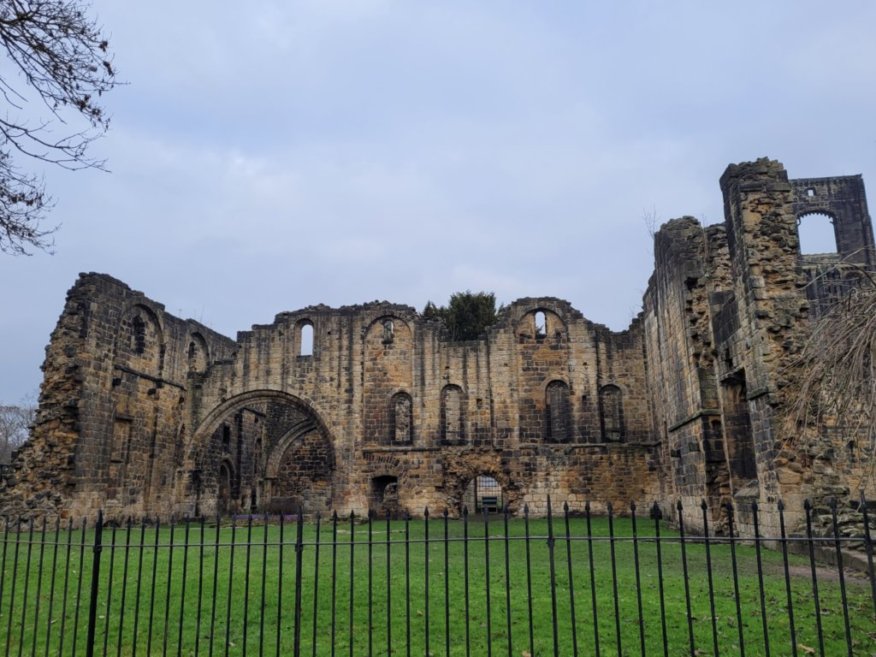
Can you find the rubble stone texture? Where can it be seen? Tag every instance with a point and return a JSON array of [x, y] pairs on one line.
[[371, 407]]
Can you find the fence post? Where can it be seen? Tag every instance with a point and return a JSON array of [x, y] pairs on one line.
[[95, 582], [299, 549]]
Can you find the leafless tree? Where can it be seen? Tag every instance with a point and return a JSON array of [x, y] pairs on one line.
[[836, 373], [59, 67], [15, 424]]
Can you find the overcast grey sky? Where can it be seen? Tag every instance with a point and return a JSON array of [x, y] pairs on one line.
[[271, 155]]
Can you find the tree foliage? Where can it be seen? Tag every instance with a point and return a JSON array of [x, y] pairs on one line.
[[58, 68], [467, 315]]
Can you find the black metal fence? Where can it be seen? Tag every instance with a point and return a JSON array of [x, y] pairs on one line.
[[570, 583]]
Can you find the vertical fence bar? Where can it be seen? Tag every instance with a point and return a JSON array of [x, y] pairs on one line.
[[66, 585], [571, 579], [446, 584], [142, 549], [465, 578], [735, 568], [842, 576], [201, 541], [279, 588], [52, 587], [316, 582], [757, 550], [39, 590], [109, 588], [299, 554], [388, 589], [182, 590], [3, 561], [166, 627], [507, 584], [370, 583], [14, 583], [352, 578], [264, 584], [488, 610], [95, 585], [528, 578], [712, 615], [784, 542], [408, 584], [611, 545], [246, 570], [24, 604], [215, 584], [152, 588], [592, 568], [657, 515], [124, 587], [334, 578], [807, 507], [78, 589], [868, 546], [641, 616], [426, 562], [230, 584], [553, 577], [690, 632]]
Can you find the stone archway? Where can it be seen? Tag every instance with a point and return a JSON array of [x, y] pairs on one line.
[[262, 451]]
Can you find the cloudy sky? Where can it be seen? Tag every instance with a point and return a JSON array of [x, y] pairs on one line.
[[266, 156]]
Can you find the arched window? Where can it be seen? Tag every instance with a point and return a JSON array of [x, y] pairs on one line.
[[388, 331], [612, 411], [401, 419], [306, 339], [557, 413], [816, 233], [540, 325], [452, 424], [138, 334], [197, 353]]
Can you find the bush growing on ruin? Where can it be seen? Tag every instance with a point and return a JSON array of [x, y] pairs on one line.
[[58, 68], [467, 315]]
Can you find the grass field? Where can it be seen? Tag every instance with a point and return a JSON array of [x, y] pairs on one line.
[[232, 592]]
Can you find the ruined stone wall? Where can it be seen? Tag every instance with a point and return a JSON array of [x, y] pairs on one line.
[[371, 407]]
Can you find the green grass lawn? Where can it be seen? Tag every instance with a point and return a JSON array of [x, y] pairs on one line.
[[227, 600]]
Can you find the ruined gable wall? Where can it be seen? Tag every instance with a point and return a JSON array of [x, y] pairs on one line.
[[112, 403]]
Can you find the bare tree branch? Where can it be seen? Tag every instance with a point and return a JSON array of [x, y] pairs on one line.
[[63, 60]]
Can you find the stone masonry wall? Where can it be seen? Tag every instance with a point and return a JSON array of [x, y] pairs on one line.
[[371, 408]]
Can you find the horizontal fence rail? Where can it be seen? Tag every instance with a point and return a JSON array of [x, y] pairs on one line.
[[570, 583]]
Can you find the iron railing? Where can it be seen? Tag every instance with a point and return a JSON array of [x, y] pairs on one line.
[[571, 583]]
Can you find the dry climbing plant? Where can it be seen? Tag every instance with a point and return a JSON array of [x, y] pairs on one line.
[[835, 382]]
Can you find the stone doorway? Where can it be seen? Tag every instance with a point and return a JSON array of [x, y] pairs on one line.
[[483, 493]]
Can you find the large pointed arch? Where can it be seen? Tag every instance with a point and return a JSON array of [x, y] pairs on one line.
[[280, 449]]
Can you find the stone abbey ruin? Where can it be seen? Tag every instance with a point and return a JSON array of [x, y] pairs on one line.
[[371, 407]]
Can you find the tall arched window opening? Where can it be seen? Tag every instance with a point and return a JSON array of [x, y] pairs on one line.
[[540, 324], [611, 407], [452, 425], [306, 338], [557, 413], [401, 419]]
